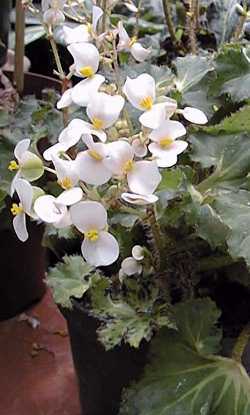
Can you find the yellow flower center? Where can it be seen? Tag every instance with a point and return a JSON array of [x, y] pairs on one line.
[[16, 209], [95, 155], [146, 103], [87, 71], [166, 142], [13, 165], [66, 183], [128, 166], [90, 28], [92, 235], [97, 123], [133, 40]]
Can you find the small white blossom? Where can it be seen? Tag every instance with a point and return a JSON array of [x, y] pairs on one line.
[[84, 32], [49, 210], [165, 148], [86, 59], [130, 44], [131, 265], [194, 115], [91, 163], [139, 200], [143, 176], [24, 160], [25, 193], [99, 247]]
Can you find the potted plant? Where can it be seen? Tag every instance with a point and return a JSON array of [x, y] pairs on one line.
[[24, 264], [149, 216]]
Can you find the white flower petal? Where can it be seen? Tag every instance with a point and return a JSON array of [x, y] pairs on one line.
[[105, 108], [55, 150], [154, 117], [137, 252], [124, 39], [65, 100], [64, 221], [73, 132], [84, 90], [97, 13], [130, 266], [144, 177], [19, 224], [168, 129], [137, 89], [92, 171], [84, 55], [139, 52], [77, 34], [21, 147], [176, 148], [88, 215], [139, 148], [70, 197], [25, 193], [13, 183], [102, 252], [139, 200], [119, 153], [47, 210], [65, 169], [194, 115]]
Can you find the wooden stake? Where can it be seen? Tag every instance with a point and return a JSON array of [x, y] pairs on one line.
[[19, 47]]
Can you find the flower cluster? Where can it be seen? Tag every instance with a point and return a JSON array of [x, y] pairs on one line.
[[89, 160]]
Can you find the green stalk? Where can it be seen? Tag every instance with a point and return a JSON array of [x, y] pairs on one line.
[[168, 17], [241, 344]]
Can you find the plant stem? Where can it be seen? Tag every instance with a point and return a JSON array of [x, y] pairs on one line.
[[241, 344], [191, 26], [104, 17], [56, 56], [169, 21], [19, 47], [154, 237], [209, 181]]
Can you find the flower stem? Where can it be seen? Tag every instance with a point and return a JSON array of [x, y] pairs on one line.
[[191, 25], [169, 20], [154, 237], [241, 344]]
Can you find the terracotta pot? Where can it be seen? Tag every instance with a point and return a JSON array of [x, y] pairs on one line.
[[22, 265], [101, 374]]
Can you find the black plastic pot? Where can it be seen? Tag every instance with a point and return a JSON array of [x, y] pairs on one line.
[[4, 29], [22, 265], [102, 375]]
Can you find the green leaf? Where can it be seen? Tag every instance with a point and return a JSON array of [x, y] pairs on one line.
[[230, 154], [70, 278], [234, 124], [190, 71], [223, 19], [195, 321], [171, 179], [234, 209], [129, 319], [181, 380], [6, 176], [233, 73]]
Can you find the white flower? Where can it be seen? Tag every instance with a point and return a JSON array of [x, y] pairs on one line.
[[132, 265], [82, 92], [165, 147], [86, 59], [141, 93], [83, 32], [19, 211], [55, 150], [139, 200], [130, 44], [143, 176], [194, 115], [28, 165], [71, 135], [49, 210], [103, 110], [99, 247], [68, 177], [90, 163]]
